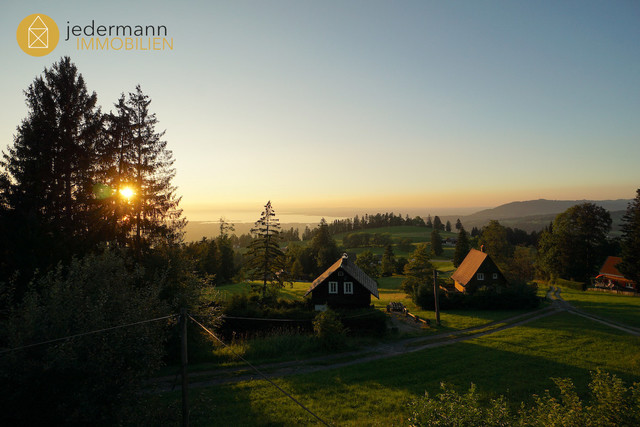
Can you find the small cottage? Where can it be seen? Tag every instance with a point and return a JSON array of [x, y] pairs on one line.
[[611, 278], [343, 285], [478, 271]]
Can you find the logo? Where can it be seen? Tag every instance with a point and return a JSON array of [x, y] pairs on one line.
[[37, 35]]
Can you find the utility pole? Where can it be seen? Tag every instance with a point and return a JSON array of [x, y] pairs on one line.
[[185, 383], [435, 296]]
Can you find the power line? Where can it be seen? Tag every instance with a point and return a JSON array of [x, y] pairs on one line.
[[259, 372], [86, 333]]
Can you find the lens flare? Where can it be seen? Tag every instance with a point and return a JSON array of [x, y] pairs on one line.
[[127, 192]]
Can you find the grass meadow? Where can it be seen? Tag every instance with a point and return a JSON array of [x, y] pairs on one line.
[[517, 363]]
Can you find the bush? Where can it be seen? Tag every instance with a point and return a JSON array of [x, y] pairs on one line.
[[507, 298], [611, 404], [329, 330], [87, 380]]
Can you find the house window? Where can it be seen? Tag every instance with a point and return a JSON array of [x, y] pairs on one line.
[[348, 287], [495, 276], [333, 287], [480, 276]]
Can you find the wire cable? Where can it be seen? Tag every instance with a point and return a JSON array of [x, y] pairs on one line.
[[86, 333], [259, 372]]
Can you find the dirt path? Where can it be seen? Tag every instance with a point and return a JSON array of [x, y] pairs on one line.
[[381, 351], [564, 305]]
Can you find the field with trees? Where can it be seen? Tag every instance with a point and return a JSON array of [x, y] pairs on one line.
[[101, 299]]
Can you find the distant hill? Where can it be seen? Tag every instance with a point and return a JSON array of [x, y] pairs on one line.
[[534, 215]]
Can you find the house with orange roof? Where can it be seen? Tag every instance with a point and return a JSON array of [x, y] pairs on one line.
[[611, 278], [478, 271]]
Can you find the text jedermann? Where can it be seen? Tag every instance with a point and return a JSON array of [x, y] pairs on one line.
[[115, 30]]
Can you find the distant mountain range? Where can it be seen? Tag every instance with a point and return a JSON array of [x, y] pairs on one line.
[[536, 214], [531, 215]]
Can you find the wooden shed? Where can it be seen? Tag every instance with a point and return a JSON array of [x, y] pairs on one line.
[[343, 285], [477, 271]]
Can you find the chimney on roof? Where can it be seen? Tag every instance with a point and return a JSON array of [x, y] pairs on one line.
[[481, 248], [345, 256]]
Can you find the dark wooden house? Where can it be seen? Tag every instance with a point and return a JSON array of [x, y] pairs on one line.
[[343, 285], [478, 271]]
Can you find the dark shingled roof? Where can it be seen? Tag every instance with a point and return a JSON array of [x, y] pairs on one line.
[[353, 270], [469, 266]]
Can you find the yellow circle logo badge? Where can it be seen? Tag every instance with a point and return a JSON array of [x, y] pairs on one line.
[[37, 34]]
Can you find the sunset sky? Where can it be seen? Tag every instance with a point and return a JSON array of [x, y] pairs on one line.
[[368, 105]]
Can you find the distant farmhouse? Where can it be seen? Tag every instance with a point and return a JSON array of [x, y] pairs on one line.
[[343, 285], [611, 278], [477, 271]]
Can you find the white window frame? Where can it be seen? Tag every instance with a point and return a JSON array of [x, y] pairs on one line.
[[495, 276], [348, 288], [480, 276], [333, 287]]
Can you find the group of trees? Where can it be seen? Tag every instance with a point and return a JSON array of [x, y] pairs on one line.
[[576, 244], [388, 219], [90, 228], [75, 177]]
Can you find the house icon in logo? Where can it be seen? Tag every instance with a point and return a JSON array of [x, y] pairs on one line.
[[38, 36]]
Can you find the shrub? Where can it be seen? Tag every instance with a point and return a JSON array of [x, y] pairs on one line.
[[329, 330], [611, 404], [507, 298]]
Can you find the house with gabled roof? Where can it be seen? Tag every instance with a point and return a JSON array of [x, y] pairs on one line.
[[610, 277], [477, 271], [343, 285]]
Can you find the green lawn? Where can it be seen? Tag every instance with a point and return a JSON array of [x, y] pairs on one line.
[[515, 362], [622, 308]]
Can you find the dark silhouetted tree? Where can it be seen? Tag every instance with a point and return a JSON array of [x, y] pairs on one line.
[[429, 223], [418, 271], [458, 224], [368, 263], [49, 211], [388, 261], [437, 223], [494, 240], [577, 244], [462, 247], [436, 242], [324, 247], [630, 243], [265, 259], [447, 227]]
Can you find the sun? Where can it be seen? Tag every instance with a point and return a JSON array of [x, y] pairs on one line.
[[127, 192]]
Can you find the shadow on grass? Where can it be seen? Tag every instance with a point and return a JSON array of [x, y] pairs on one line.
[[516, 363]]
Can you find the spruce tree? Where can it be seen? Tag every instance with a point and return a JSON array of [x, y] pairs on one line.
[[458, 224], [429, 223], [47, 180], [630, 242], [462, 247], [437, 223], [448, 226], [436, 242], [265, 259], [324, 247], [388, 261]]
